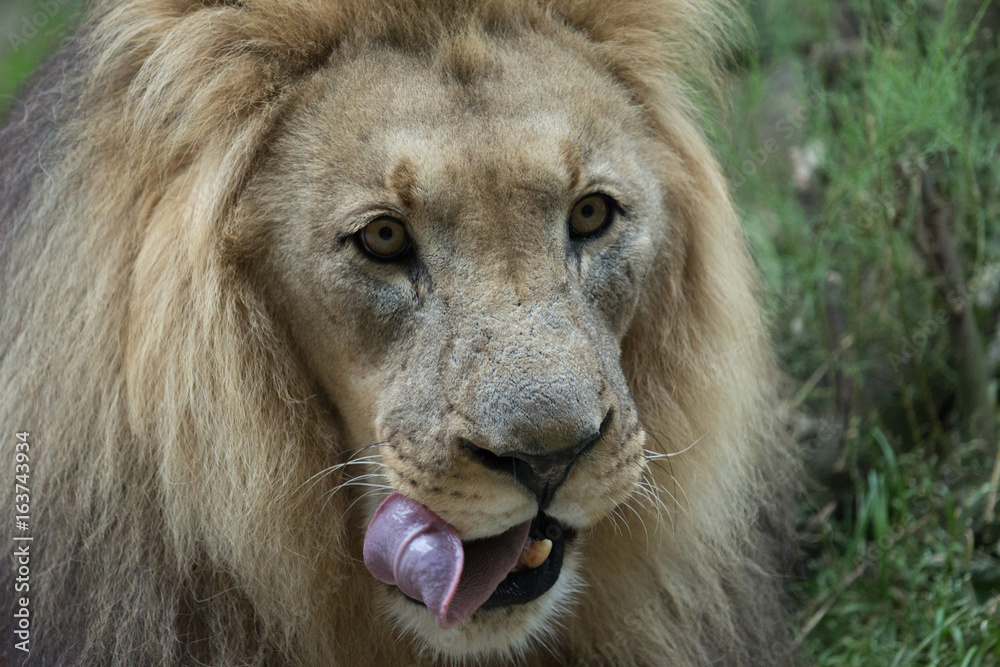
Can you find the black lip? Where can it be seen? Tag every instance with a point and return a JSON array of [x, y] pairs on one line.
[[527, 585]]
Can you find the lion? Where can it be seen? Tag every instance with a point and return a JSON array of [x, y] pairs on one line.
[[317, 310]]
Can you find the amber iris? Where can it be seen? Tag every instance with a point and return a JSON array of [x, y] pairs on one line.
[[385, 238], [590, 216]]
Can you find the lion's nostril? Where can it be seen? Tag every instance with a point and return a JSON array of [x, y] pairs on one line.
[[485, 456], [542, 473]]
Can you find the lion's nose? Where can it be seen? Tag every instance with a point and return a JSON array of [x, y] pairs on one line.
[[541, 473]]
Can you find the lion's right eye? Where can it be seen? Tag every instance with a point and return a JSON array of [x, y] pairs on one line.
[[591, 216], [384, 239]]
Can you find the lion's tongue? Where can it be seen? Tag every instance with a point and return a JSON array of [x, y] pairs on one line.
[[409, 546]]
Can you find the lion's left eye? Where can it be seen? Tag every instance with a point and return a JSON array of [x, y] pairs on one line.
[[384, 239], [591, 215]]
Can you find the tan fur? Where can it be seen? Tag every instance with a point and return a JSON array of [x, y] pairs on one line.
[[193, 347]]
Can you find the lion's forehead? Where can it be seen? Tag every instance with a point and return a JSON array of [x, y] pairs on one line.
[[526, 77], [545, 117], [484, 183]]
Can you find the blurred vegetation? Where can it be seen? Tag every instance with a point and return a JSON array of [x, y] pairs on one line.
[[863, 148], [29, 31]]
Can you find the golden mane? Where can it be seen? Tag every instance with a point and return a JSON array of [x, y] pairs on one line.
[[174, 433]]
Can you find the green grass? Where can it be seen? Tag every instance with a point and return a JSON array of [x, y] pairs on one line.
[[889, 113], [856, 129]]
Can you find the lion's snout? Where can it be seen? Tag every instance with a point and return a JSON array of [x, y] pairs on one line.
[[536, 395]]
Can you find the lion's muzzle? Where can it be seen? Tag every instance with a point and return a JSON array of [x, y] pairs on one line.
[[410, 547], [543, 473]]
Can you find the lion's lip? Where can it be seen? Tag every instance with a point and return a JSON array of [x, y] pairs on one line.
[[410, 547], [523, 586]]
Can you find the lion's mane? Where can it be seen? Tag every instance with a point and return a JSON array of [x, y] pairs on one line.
[[173, 431]]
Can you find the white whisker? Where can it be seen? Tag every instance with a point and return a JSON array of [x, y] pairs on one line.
[[621, 514], [360, 498], [638, 516], [339, 466], [650, 489], [614, 524], [654, 456], [357, 483]]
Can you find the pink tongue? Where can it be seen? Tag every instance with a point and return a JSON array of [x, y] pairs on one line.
[[409, 546]]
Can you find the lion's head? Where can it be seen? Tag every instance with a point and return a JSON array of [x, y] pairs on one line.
[[456, 243], [476, 254]]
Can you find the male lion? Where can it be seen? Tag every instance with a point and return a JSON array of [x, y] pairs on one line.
[[271, 265]]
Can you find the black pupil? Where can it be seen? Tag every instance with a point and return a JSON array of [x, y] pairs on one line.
[[587, 211], [385, 233]]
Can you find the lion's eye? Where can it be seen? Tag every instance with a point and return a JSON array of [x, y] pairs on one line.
[[591, 215], [384, 238]]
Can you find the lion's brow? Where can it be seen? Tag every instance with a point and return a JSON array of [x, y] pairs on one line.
[[402, 181], [573, 161]]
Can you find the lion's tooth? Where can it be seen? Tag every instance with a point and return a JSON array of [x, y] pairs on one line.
[[535, 554]]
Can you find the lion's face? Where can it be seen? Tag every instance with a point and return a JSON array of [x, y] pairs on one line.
[[457, 244]]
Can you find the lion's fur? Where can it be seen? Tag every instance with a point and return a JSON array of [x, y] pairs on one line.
[[173, 432]]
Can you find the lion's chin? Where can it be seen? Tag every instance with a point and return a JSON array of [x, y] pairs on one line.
[[503, 632]]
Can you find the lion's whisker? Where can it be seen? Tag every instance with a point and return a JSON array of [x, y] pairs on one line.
[[650, 502], [357, 482], [653, 456], [367, 475], [621, 514], [657, 457], [683, 493], [330, 469], [383, 443], [657, 460], [656, 487], [614, 524], [628, 505], [648, 489], [360, 498], [338, 466], [376, 487]]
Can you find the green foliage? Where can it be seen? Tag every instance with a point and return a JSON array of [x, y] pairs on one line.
[[899, 580], [33, 32], [857, 130]]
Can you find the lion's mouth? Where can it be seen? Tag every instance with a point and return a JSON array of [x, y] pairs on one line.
[[410, 547], [524, 583]]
